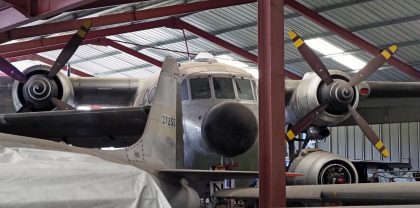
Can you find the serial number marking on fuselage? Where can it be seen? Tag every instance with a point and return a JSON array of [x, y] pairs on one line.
[[168, 121]]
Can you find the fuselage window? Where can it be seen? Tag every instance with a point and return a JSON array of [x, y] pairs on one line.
[[244, 89], [184, 90], [223, 88], [200, 88]]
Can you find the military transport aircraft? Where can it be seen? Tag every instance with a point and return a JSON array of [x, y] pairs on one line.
[[156, 150], [219, 109], [219, 105]]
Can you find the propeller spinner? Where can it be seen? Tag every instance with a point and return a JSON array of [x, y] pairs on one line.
[[338, 94], [41, 90]]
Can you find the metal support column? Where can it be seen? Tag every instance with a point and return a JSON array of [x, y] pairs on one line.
[[272, 191]]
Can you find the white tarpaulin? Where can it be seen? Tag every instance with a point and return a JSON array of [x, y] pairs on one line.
[[44, 178]]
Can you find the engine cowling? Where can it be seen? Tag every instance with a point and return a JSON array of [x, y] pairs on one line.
[[38, 90], [312, 91], [319, 167]]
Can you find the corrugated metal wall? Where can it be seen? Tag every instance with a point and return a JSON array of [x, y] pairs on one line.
[[402, 140]]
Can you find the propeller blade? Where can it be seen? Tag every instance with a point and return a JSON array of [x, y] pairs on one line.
[[370, 134], [373, 65], [70, 49], [305, 121], [7, 68], [27, 107], [311, 58], [61, 105]]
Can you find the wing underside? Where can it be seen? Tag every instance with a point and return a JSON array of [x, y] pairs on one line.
[[351, 194], [389, 102], [118, 127]]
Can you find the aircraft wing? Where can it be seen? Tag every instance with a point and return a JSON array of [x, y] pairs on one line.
[[389, 102], [190, 174], [238, 193], [386, 102], [353, 194], [117, 127], [6, 104]]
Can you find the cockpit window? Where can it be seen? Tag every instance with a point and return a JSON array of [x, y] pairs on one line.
[[200, 88], [254, 86], [223, 88], [244, 89], [184, 90]]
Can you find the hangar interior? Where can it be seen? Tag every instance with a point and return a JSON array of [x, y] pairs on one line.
[[379, 22], [131, 39]]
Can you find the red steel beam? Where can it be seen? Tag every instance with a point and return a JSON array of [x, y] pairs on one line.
[[272, 191], [42, 47], [132, 52], [179, 24], [25, 11], [93, 37], [293, 76], [45, 29], [51, 62], [53, 43], [46, 61], [347, 35], [108, 3]]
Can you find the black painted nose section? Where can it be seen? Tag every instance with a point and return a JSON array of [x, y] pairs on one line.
[[229, 129]]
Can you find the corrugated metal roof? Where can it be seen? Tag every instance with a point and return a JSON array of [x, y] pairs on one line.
[[380, 22]]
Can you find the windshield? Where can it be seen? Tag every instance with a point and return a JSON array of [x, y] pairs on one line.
[[223, 88], [244, 89], [200, 88]]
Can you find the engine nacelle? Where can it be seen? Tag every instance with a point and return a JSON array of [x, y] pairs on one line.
[[319, 167], [309, 94], [39, 89]]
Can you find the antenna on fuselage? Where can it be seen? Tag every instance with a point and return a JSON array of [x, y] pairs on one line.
[[205, 57]]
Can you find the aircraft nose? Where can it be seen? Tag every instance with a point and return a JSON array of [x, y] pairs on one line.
[[229, 129]]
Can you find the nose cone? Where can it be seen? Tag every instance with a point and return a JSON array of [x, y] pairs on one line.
[[229, 129]]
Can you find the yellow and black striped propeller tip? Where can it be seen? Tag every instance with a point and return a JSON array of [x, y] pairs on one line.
[[297, 41], [382, 149], [290, 135], [387, 53]]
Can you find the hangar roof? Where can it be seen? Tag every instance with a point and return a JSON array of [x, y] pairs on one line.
[[380, 22]]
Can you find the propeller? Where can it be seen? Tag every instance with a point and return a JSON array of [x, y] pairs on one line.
[[7, 68], [370, 134], [373, 65], [310, 57], [41, 90], [306, 121], [70, 49], [340, 93], [61, 105]]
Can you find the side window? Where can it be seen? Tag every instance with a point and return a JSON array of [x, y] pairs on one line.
[[254, 85], [152, 95], [223, 88], [244, 89], [184, 90], [146, 94], [200, 88]]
